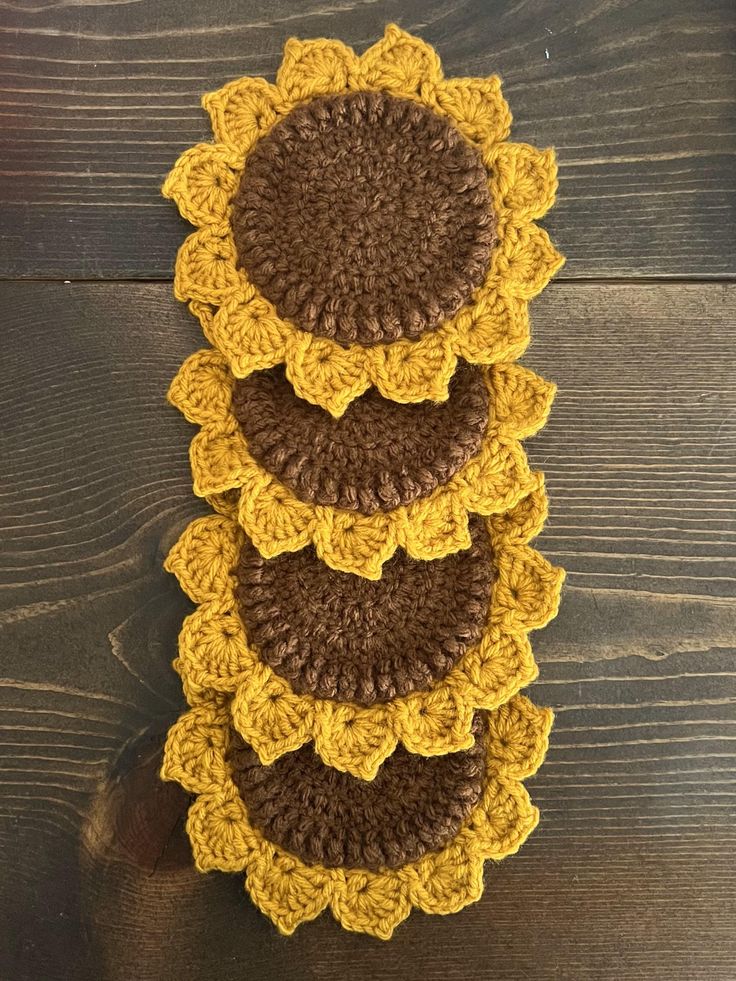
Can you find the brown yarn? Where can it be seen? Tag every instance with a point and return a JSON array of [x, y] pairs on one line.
[[339, 636], [414, 805], [364, 218], [378, 456]]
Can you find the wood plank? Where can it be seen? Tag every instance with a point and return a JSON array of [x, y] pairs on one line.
[[630, 873], [98, 100]]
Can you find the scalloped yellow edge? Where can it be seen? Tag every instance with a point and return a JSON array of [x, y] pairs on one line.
[[291, 892], [238, 320], [276, 521], [215, 655]]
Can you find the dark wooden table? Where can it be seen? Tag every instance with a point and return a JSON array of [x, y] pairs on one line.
[[631, 872]]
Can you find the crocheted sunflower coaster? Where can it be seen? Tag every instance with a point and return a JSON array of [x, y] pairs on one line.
[[364, 221], [308, 836], [353, 665], [383, 476]]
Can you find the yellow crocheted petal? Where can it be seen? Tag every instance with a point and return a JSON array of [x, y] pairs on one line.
[[476, 107], [202, 182], [522, 400], [399, 63], [213, 651], [448, 880], [518, 737], [523, 522], [502, 822], [325, 374], [526, 260], [313, 68], [437, 525], [204, 556], [372, 902], [270, 716], [286, 890], [494, 480], [526, 593], [225, 503], [523, 179], [353, 739], [495, 328], [195, 747], [351, 542], [219, 832], [206, 269], [202, 388], [435, 722], [500, 666], [242, 111], [414, 371], [274, 519], [248, 332], [219, 458]]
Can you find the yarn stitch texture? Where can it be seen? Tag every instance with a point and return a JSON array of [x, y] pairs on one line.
[[291, 891], [378, 456], [415, 804], [215, 654], [490, 324], [364, 254], [277, 521], [398, 201], [343, 637]]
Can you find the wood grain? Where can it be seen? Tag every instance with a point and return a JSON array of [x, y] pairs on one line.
[[630, 875], [99, 98]]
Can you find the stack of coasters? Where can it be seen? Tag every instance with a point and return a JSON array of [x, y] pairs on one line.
[[365, 587]]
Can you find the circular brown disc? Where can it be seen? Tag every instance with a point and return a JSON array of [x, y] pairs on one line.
[[364, 218], [415, 804], [378, 456], [335, 635]]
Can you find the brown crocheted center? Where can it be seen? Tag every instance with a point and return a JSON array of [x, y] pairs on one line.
[[364, 218], [377, 456], [339, 636], [414, 805]]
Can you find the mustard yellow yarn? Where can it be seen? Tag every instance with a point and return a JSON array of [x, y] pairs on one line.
[[277, 521], [214, 655], [230, 689], [291, 892], [238, 320]]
